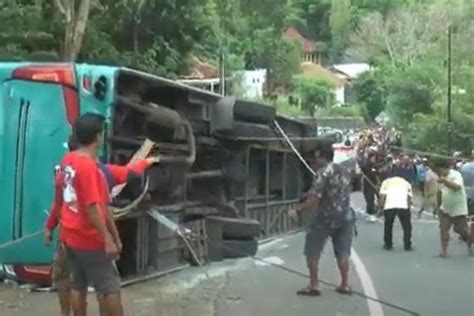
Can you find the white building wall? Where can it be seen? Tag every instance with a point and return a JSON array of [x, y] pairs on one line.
[[340, 95], [253, 83]]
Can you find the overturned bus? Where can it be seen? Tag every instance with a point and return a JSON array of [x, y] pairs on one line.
[[225, 173]]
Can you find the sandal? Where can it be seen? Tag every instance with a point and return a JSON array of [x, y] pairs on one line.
[[309, 292], [344, 290]]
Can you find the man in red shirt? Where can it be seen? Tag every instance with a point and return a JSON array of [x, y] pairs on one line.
[[87, 228], [60, 269]]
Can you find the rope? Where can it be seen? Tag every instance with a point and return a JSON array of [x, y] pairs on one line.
[[284, 268], [293, 148], [19, 240], [304, 275]]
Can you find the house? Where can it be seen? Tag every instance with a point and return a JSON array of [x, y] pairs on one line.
[[312, 50], [351, 71], [252, 83]]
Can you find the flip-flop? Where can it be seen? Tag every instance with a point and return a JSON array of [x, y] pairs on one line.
[[344, 291], [309, 292]]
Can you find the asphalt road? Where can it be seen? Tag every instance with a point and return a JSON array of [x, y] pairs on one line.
[[418, 280]]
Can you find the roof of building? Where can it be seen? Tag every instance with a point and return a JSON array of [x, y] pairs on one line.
[[317, 71], [352, 70], [202, 70], [308, 45]]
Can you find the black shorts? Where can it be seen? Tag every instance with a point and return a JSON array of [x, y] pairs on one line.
[[90, 267], [318, 234]]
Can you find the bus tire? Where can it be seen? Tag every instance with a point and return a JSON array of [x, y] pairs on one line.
[[253, 112]]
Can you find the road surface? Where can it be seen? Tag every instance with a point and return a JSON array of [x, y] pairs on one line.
[[418, 281]]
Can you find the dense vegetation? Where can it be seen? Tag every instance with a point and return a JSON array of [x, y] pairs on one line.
[[404, 40]]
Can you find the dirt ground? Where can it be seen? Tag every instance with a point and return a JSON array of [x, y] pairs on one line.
[[189, 292]]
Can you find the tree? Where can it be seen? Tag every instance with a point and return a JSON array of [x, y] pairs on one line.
[[75, 14], [340, 23], [314, 93], [369, 91], [404, 36], [410, 91]]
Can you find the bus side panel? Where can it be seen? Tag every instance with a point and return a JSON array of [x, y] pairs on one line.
[[42, 143], [9, 128]]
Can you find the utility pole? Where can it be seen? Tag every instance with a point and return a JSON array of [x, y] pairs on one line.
[[222, 73], [450, 127], [223, 49]]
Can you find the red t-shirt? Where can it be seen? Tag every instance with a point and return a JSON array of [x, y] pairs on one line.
[[79, 184], [83, 185]]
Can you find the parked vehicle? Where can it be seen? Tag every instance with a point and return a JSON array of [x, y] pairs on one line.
[[216, 160]]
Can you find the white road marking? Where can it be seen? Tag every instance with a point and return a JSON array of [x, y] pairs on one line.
[[375, 308], [270, 261]]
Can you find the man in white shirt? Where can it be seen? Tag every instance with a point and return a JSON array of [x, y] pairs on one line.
[[452, 206], [395, 200]]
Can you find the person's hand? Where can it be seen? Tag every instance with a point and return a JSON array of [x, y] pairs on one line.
[[119, 245], [48, 237], [293, 214], [111, 249], [153, 159]]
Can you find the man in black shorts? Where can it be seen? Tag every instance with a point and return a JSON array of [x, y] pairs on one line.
[[329, 200]]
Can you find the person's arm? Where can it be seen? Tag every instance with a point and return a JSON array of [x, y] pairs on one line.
[[452, 185], [88, 180], [409, 196], [311, 202], [439, 198], [381, 204], [112, 227], [382, 198], [121, 174], [53, 218], [314, 196]]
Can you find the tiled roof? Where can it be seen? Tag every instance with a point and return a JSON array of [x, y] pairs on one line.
[[317, 71], [309, 46]]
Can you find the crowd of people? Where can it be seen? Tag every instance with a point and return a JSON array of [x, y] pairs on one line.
[[390, 179]]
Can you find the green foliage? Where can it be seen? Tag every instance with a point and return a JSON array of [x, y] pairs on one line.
[[410, 91], [314, 93], [405, 40], [23, 31], [369, 90], [341, 111], [340, 24], [284, 107]]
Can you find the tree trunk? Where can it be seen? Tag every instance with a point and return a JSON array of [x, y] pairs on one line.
[[135, 35], [80, 27], [75, 26]]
